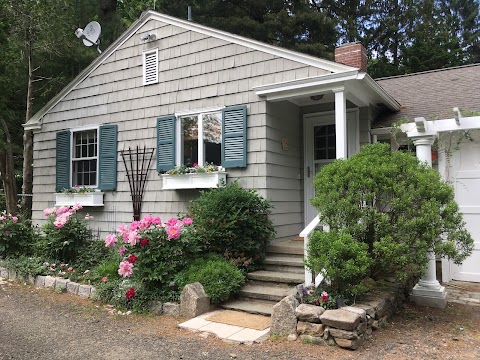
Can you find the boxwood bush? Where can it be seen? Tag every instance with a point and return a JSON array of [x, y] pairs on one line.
[[219, 277], [233, 222]]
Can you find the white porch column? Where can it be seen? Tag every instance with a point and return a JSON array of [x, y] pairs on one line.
[[428, 291], [341, 123]]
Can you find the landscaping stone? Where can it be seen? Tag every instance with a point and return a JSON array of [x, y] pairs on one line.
[[292, 337], [49, 281], [156, 307], [349, 344], [310, 313], [72, 287], [4, 272], [369, 309], [93, 292], [355, 310], [361, 328], [341, 319], [194, 301], [61, 285], [375, 325], [343, 334], [170, 308], [284, 320], [309, 328], [12, 275], [309, 339], [380, 304], [84, 290], [40, 280], [30, 280]]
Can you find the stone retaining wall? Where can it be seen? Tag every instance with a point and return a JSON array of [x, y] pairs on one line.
[[346, 327]]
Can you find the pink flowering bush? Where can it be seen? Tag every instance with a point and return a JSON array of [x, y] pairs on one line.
[[320, 297], [17, 236], [152, 252], [66, 233]]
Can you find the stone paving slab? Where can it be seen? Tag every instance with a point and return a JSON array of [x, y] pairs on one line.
[[225, 331]]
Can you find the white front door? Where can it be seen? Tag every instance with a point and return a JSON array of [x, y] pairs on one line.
[[320, 149]]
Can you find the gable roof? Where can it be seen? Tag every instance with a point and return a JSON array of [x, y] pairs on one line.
[[432, 94], [333, 67]]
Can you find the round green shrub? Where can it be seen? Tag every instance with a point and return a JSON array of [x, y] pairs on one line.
[[219, 277], [17, 236], [394, 207], [233, 222]]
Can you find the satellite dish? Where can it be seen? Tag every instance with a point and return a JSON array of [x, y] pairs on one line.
[[90, 35]]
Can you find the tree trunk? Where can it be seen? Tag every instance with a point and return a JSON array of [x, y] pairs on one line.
[[8, 172], [27, 185]]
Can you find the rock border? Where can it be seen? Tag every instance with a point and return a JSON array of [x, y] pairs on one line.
[[346, 327]]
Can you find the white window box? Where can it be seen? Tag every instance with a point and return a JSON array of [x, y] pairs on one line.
[[88, 199], [193, 181]]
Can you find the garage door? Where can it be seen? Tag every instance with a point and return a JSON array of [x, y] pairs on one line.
[[467, 194]]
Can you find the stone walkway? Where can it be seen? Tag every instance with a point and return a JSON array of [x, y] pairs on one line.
[[463, 292], [229, 333]]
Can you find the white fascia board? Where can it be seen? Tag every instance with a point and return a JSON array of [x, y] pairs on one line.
[[387, 98], [300, 87]]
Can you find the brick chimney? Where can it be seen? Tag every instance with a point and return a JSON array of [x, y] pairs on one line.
[[352, 54]]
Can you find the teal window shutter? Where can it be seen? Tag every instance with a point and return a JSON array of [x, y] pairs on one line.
[[165, 143], [108, 158], [234, 137], [62, 175]]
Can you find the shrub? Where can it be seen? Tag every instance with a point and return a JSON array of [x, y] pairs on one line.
[[17, 236], [340, 259], [219, 277], [152, 253], [233, 222], [66, 234], [392, 206], [25, 265]]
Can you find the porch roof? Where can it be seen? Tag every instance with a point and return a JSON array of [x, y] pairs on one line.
[[360, 88]]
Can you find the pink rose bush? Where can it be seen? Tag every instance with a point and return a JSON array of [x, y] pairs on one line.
[[17, 235], [152, 251]]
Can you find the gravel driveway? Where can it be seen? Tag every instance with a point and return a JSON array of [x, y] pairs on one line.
[[40, 324]]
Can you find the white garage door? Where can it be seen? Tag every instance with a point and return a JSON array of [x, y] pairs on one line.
[[467, 194]]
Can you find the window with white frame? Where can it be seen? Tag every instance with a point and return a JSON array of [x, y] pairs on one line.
[[85, 157], [200, 139]]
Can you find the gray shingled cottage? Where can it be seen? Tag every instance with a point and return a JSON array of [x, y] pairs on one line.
[[270, 116], [279, 116]]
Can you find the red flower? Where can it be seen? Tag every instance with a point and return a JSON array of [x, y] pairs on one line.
[[144, 242], [130, 294], [132, 259]]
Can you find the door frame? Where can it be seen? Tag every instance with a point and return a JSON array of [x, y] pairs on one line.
[[309, 121]]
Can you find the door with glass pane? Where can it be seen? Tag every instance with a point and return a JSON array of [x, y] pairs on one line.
[[320, 149]]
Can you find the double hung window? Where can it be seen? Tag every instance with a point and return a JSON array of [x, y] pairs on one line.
[[85, 158]]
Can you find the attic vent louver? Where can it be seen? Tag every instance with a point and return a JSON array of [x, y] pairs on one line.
[[150, 67]]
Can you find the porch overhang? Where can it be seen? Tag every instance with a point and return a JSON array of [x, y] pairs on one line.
[[359, 88]]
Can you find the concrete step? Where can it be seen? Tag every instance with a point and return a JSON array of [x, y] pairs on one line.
[[283, 260], [291, 247], [284, 269], [275, 276], [253, 306], [271, 292]]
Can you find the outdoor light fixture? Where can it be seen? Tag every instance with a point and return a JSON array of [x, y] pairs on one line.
[[316, 97], [148, 37]]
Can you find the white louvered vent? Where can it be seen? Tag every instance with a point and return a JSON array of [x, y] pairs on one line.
[[150, 67]]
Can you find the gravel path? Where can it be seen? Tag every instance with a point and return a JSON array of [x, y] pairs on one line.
[[40, 324]]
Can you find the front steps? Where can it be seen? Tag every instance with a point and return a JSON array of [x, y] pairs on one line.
[[283, 270]]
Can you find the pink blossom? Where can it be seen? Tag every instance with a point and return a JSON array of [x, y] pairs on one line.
[[110, 240], [187, 221], [133, 238], [125, 269], [70, 269], [61, 220], [156, 220], [147, 221], [173, 232], [14, 218], [324, 296], [123, 231], [104, 279], [2, 218], [63, 265], [134, 225], [88, 217], [62, 210], [122, 250], [77, 207], [172, 222]]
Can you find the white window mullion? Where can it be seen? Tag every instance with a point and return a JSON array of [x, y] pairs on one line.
[[201, 150], [179, 142]]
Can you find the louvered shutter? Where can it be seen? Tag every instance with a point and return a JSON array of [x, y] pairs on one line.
[[108, 158], [150, 67], [234, 137], [165, 143], [62, 175]]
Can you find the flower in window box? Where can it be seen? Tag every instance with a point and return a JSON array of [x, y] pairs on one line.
[[78, 190], [195, 169]]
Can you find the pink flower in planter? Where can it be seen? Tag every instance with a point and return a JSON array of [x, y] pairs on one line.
[[110, 240], [187, 221], [122, 250], [125, 269]]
